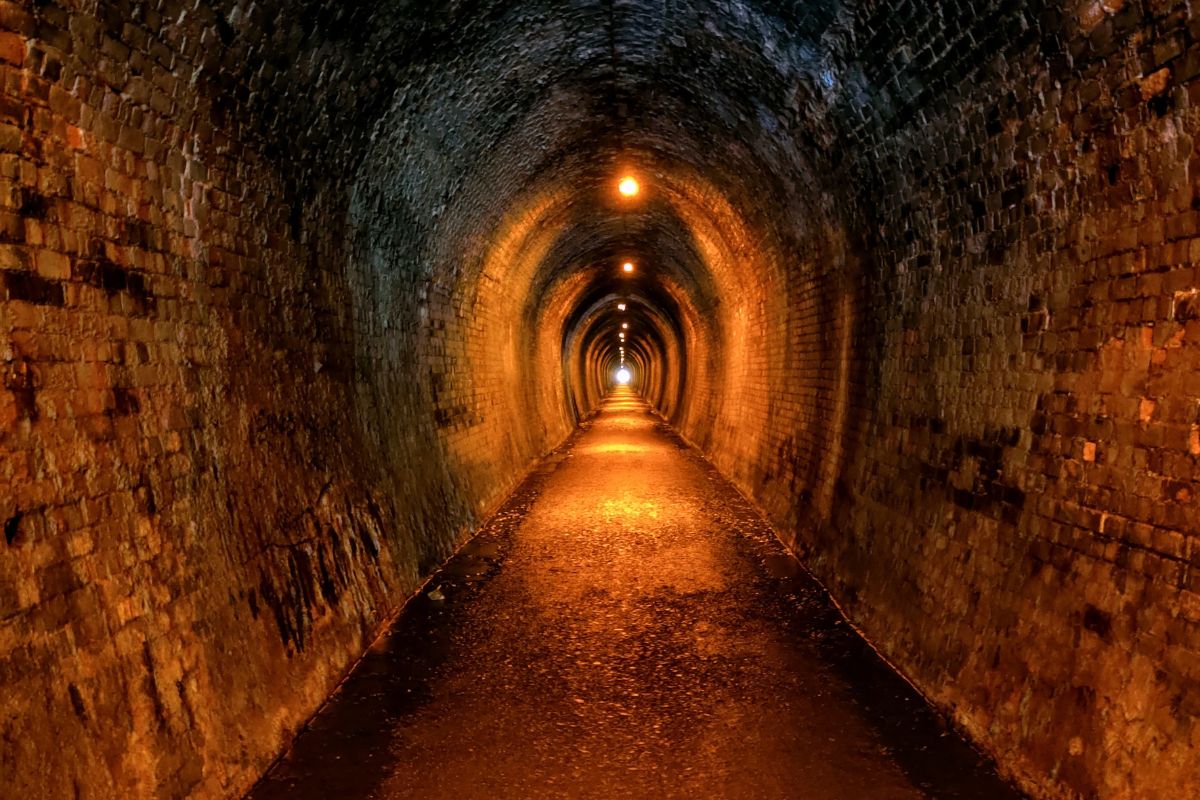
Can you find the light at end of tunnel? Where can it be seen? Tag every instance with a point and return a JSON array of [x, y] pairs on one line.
[[620, 306], [623, 376], [628, 186], [627, 266]]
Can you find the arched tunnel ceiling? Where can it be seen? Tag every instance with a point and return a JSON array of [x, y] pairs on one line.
[[312, 77], [468, 127], [306, 282], [318, 72], [479, 143]]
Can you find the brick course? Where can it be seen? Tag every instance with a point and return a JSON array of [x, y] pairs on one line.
[[291, 296]]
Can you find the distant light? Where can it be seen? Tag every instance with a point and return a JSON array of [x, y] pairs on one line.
[[624, 376], [620, 306], [627, 266], [625, 325], [628, 186]]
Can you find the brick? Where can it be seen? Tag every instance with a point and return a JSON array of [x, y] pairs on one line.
[[50, 264], [12, 48], [843, 322], [11, 139]]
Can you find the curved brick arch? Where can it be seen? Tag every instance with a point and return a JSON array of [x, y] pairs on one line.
[[292, 294]]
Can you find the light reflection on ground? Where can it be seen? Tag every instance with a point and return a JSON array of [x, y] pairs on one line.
[[626, 627]]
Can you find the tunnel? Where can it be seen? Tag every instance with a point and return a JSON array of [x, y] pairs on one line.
[[310, 311]]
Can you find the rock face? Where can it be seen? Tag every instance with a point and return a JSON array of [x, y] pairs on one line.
[[292, 294]]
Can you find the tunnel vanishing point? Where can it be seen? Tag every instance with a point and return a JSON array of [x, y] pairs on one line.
[[295, 293]]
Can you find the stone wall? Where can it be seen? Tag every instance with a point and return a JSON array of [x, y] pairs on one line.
[[215, 482], [1007, 505], [291, 295]]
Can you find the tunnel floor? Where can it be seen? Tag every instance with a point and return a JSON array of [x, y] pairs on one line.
[[626, 626]]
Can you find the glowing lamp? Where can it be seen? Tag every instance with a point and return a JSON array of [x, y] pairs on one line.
[[628, 187], [625, 325], [620, 306], [627, 266], [623, 376]]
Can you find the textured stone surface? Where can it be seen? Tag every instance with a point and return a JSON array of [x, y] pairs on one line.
[[292, 293], [1015, 518]]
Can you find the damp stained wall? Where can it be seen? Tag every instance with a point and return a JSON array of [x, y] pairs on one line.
[[290, 297]]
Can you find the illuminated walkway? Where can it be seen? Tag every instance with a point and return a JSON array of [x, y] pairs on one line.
[[625, 627]]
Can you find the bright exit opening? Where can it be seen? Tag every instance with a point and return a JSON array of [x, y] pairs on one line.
[[624, 376]]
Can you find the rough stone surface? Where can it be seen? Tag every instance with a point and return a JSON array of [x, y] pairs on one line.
[[291, 294]]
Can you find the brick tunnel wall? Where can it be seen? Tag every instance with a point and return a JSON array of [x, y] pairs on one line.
[[252, 392], [987, 444], [222, 465], [1043, 346]]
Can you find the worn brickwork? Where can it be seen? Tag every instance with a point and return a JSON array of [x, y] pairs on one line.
[[960, 381], [208, 505], [190, 556], [1027, 494], [1005, 499], [292, 294]]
